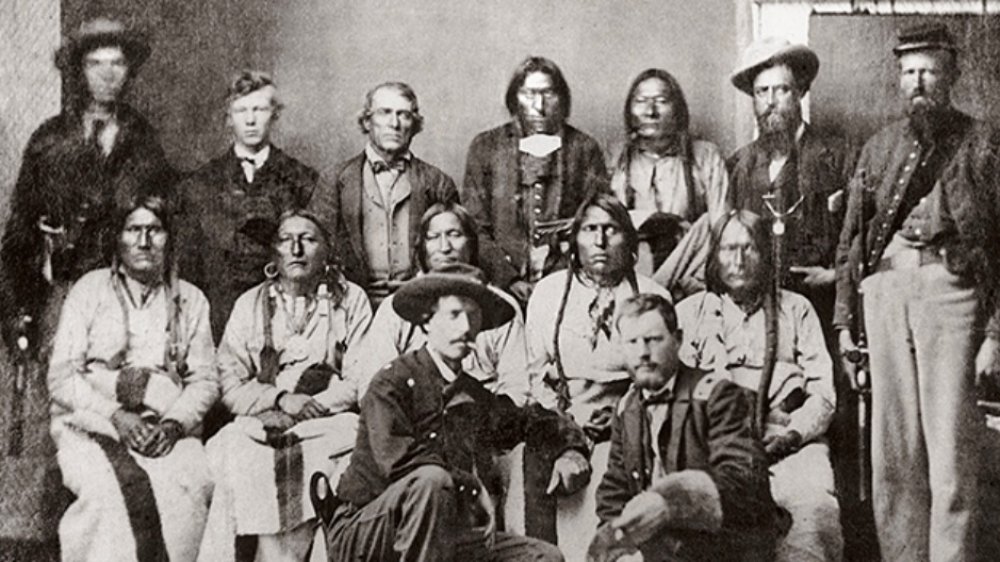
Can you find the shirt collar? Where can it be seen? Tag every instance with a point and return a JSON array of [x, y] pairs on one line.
[[662, 395], [258, 158], [138, 292], [373, 156], [443, 368]]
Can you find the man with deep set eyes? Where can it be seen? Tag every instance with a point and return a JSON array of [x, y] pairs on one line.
[[526, 178], [380, 195]]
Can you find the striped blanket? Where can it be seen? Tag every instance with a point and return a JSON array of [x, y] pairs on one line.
[[131, 507], [262, 490]]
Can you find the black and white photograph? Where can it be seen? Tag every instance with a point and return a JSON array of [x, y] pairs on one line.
[[499, 280]]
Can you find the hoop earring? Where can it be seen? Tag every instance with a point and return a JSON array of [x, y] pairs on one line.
[[270, 270]]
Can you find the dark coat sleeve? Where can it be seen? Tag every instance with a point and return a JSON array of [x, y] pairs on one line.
[[738, 464], [477, 196], [614, 490], [22, 287], [476, 192]]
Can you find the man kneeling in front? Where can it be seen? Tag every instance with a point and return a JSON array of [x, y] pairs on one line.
[[428, 430], [686, 479]]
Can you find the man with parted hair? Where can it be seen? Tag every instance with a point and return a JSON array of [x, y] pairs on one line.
[[228, 201], [662, 168], [525, 179], [379, 195], [686, 478]]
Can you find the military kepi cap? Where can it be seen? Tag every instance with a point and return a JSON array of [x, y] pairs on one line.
[[924, 37]]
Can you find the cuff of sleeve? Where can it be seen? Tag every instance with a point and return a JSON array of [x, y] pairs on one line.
[[694, 500]]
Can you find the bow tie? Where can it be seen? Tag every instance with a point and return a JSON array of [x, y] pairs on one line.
[[662, 397], [248, 160], [379, 166]]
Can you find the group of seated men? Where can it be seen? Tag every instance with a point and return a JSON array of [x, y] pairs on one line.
[[534, 306]]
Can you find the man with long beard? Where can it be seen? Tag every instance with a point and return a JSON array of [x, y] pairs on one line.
[[920, 238], [803, 168]]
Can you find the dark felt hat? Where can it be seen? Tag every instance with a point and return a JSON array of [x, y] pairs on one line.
[[769, 51], [415, 300], [924, 37], [102, 32]]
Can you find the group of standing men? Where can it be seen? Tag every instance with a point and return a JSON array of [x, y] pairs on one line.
[[910, 224]]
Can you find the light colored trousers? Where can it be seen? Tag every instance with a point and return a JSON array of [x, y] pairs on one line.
[[926, 430]]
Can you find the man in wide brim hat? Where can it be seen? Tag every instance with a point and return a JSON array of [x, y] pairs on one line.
[[415, 485], [416, 299], [103, 32], [768, 51]]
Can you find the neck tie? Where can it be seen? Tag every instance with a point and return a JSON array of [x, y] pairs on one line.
[[97, 132], [380, 166], [249, 168]]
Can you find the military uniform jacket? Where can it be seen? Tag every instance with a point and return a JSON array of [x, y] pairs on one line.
[[709, 428], [969, 207], [405, 424], [224, 244]]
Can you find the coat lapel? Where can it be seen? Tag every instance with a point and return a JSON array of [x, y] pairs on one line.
[[350, 203]]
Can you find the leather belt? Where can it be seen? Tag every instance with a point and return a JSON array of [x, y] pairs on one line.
[[912, 258]]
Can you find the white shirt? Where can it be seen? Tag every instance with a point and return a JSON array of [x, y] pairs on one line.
[[258, 158]]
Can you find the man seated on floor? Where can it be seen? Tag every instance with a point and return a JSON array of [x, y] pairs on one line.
[[413, 490], [686, 479]]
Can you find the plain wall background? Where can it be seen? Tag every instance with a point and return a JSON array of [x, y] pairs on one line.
[[857, 90], [458, 56]]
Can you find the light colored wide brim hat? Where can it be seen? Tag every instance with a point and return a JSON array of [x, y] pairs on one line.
[[100, 32], [768, 51], [415, 300]]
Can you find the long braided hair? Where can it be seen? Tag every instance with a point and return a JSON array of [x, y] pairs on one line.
[[332, 278], [161, 205], [609, 204], [685, 143]]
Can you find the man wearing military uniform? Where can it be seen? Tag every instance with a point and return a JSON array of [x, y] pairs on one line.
[[924, 197]]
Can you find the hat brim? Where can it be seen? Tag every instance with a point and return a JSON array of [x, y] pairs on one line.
[[924, 46], [802, 59], [135, 46], [414, 301]]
